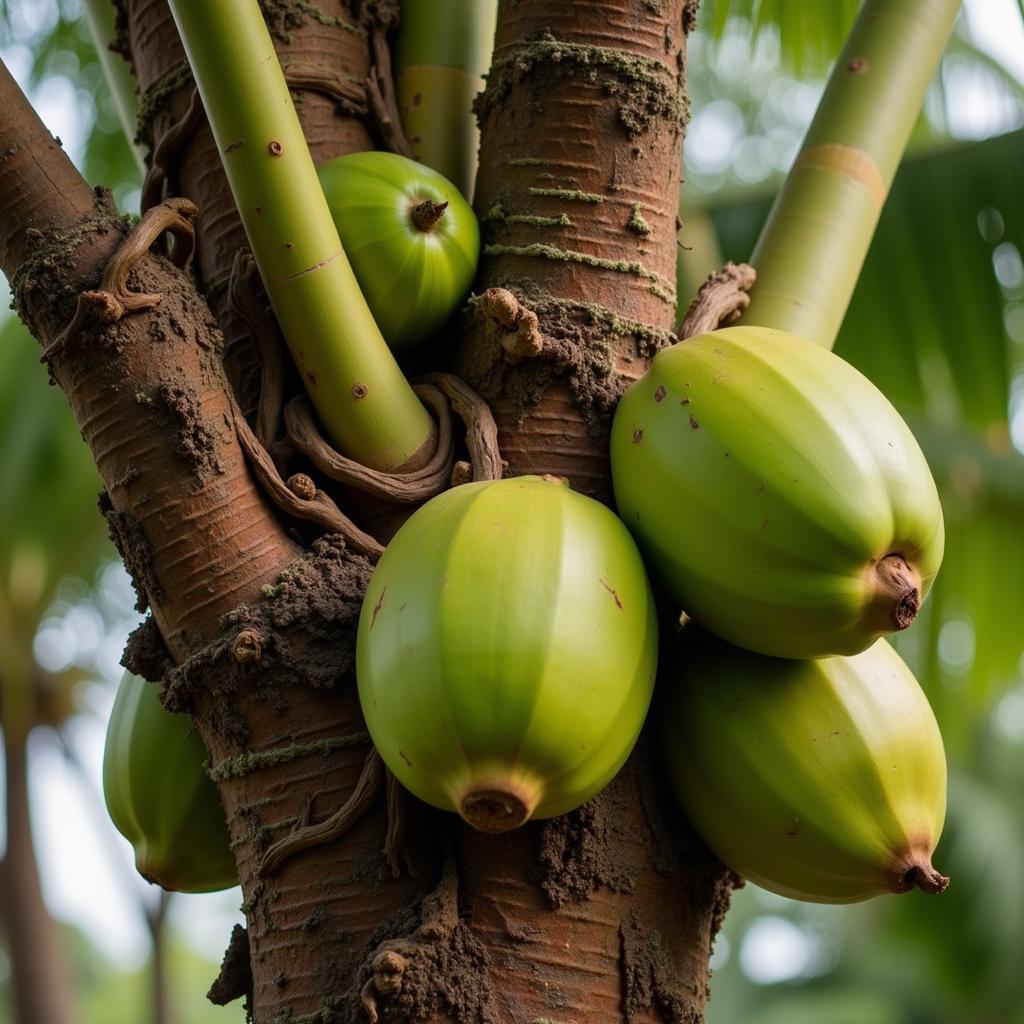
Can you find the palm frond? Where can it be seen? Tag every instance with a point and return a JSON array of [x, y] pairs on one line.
[[48, 482], [809, 34]]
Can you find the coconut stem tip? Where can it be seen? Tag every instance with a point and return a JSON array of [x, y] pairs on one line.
[[897, 592], [925, 878], [497, 808], [427, 213]]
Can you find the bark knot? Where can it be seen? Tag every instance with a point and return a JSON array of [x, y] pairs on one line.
[[513, 324], [720, 300], [248, 646]]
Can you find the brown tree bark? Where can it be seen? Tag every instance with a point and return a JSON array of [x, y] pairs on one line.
[[606, 914], [582, 126]]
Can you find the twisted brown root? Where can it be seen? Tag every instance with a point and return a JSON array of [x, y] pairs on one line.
[[720, 300], [113, 299], [320, 509], [305, 835], [248, 299]]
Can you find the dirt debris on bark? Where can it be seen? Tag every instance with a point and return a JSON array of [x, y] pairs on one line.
[[576, 852], [306, 624], [129, 539]]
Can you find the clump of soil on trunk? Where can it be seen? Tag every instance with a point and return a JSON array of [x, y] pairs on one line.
[[301, 634], [576, 855]]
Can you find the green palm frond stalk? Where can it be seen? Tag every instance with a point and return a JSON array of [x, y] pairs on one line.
[[365, 404], [100, 15], [811, 250], [442, 53]]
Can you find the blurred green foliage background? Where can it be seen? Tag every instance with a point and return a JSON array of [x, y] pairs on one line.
[[937, 322]]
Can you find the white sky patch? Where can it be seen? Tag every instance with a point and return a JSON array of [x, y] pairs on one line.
[[67, 111], [998, 28], [80, 874], [775, 949]]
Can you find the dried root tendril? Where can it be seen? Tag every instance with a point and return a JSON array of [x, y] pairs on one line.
[[164, 161], [400, 488], [396, 853], [481, 430], [112, 300], [444, 393], [349, 94], [381, 98], [320, 509], [248, 299], [305, 835], [720, 300]]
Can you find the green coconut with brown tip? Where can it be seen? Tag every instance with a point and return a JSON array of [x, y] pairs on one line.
[[506, 651], [777, 493], [159, 796], [820, 780]]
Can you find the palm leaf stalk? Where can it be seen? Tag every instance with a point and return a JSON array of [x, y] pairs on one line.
[[365, 404], [817, 235], [442, 53], [100, 16]]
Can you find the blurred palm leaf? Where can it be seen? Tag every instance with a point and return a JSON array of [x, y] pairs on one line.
[[48, 481], [810, 34], [937, 322]]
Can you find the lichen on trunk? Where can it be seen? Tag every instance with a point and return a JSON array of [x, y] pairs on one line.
[[582, 124]]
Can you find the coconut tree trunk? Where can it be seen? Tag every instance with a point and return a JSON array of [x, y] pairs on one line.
[[606, 914], [41, 983]]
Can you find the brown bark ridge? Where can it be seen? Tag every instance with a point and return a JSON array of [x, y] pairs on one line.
[[581, 127], [261, 635], [608, 913]]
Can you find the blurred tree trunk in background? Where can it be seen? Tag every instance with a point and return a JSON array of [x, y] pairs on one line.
[[40, 979]]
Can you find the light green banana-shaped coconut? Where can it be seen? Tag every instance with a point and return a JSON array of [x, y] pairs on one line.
[[778, 494], [159, 796], [506, 650], [819, 780]]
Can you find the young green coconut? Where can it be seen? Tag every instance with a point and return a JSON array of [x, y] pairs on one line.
[[412, 239], [506, 651], [819, 780], [159, 796], [777, 493]]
